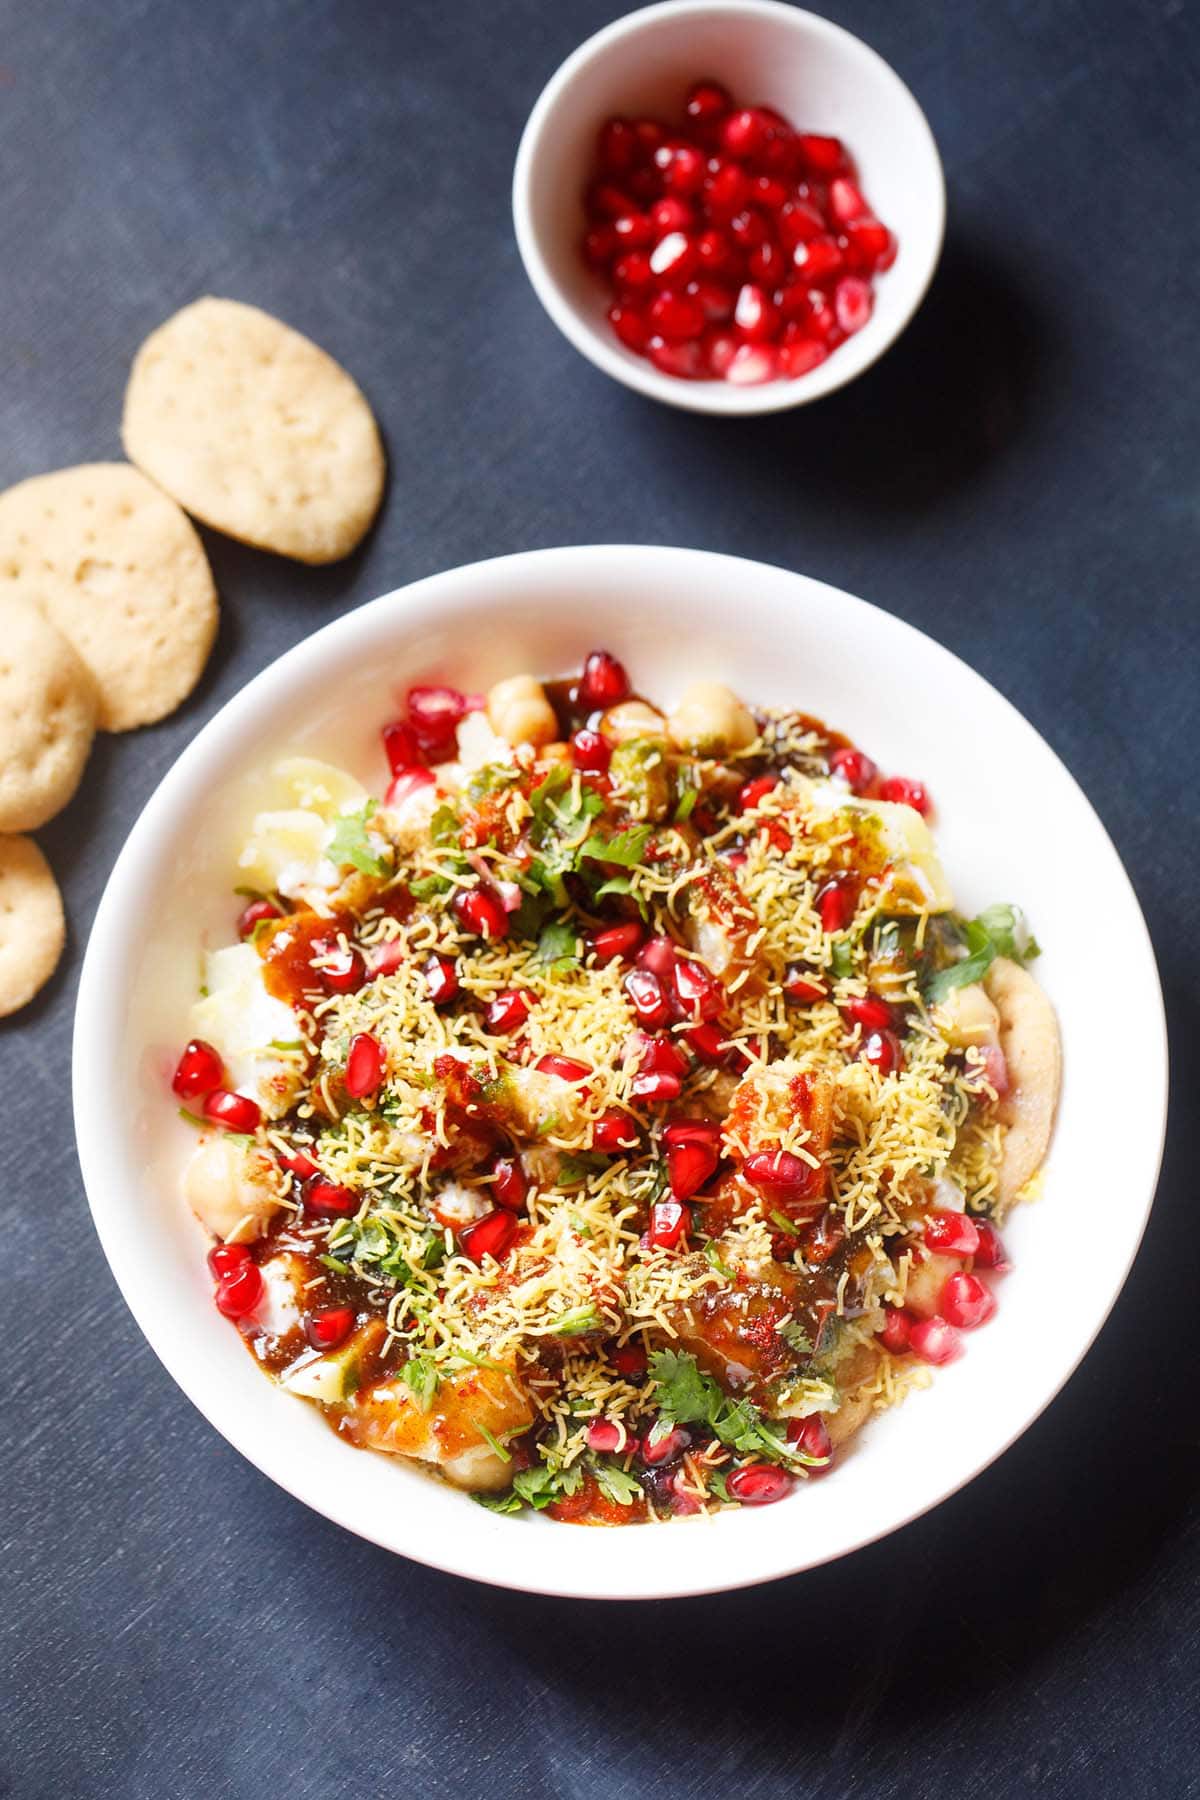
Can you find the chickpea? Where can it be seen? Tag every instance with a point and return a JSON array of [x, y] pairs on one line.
[[519, 712], [711, 718], [632, 719]]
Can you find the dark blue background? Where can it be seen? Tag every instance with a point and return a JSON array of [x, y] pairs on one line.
[[1019, 477]]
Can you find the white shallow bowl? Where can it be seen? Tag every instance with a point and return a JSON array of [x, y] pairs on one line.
[[1012, 825], [817, 75]]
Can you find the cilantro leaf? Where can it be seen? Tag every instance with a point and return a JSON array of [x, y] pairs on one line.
[[576, 1323], [351, 847], [841, 960], [998, 931], [688, 797], [493, 1443], [421, 1379], [500, 1503], [626, 849], [542, 1485], [558, 946], [683, 1392], [616, 1484], [795, 1336]]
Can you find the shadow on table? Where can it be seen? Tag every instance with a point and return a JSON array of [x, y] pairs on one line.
[[956, 391]]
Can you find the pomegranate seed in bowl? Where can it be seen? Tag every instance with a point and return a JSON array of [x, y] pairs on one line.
[[198, 1071], [731, 190], [759, 1484], [965, 1301]]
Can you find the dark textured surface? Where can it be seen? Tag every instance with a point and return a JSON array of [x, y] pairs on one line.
[[1019, 477]]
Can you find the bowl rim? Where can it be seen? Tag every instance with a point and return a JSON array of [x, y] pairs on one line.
[[112, 928], [717, 399]]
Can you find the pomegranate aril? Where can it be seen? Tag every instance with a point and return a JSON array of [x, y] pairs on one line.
[[752, 363], [759, 1484], [671, 214], [660, 1447], [824, 1237], [870, 1013], [745, 134], [441, 978], [748, 228], [951, 1234], [882, 1050], [605, 201], [489, 1236], [434, 712], [751, 793], [604, 682], [853, 303], [835, 906], [856, 769], [644, 992], [726, 192], [800, 357], [406, 785], [633, 274], [965, 1301], [934, 1341], [509, 1011], [682, 359], [845, 200], [683, 168], [600, 245], [630, 326], [673, 257], [400, 746], [781, 1177], [660, 1055], [233, 1112], [896, 1330], [300, 1164], [899, 789], [810, 1438], [801, 986], [818, 259], [689, 1166], [257, 913], [715, 255], [608, 1437], [669, 1223], [616, 940], [481, 911], [659, 954], [823, 155], [342, 971], [590, 752], [707, 102], [991, 1253], [614, 1134], [198, 1071], [867, 241], [655, 1088], [710, 1044], [718, 347], [675, 316], [510, 1188], [565, 1068], [715, 301], [628, 1359], [798, 222], [239, 1293], [755, 313], [330, 1197], [617, 146], [225, 1260], [699, 993], [632, 231], [326, 1330], [766, 264], [364, 1066]]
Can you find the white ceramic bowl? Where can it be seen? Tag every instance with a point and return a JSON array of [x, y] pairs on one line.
[[813, 72], [1012, 825]]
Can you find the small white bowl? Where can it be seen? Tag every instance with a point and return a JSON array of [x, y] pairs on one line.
[[1011, 824], [817, 75]]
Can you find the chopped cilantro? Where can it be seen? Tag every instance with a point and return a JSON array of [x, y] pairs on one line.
[[626, 848], [688, 797], [687, 1396], [542, 1485], [795, 1336], [493, 1443], [500, 1503], [784, 1223], [713, 1255], [998, 931], [428, 887], [443, 826], [617, 1484], [351, 846], [577, 1322], [558, 946], [335, 1263], [841, 960], [421, 1379]]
